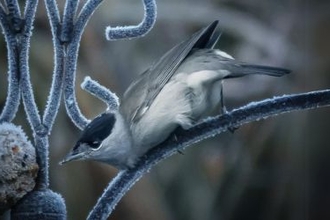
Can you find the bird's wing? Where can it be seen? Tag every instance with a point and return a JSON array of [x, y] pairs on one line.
[[155, 78]]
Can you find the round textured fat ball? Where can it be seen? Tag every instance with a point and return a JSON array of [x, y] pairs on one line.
[[18, 164]]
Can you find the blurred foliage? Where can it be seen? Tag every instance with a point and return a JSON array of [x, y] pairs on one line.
[[270, 170]]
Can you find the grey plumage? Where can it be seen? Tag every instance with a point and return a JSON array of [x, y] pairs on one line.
[[177, 90]]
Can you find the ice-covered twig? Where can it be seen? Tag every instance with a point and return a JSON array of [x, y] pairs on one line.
[[70, 99], [85, 14], [54, 97], [54, 16], [42, 149], [25, 83], [71, 63], [41, 131], [70, 11], [14, 13], [12, 101], [101, 92], [55, 93], [255, 111], [129, 32]]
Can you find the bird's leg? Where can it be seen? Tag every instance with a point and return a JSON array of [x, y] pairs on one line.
[[223, 110], [222, 105], [176, 140]]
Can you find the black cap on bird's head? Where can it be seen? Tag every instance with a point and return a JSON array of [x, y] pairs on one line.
[[92, 136]]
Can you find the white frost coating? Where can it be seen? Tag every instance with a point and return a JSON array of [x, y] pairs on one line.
[[101, 92], [255, 103], [224, 54], [7, 127], [87, 79], [70, 101], [252, 104]]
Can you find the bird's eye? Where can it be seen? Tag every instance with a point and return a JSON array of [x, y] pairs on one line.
[[95, 144]]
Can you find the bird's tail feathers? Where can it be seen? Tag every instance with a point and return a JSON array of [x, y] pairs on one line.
[[249, 69]]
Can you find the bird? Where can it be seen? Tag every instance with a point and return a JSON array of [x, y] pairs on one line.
[[178, 90]]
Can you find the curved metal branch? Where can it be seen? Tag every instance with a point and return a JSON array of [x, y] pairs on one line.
[[101, 92], [70, 11], [55, 93], [255, 111], [25, 83], [13, 8], [13, 95], [86, 13], [42, 146], [129, 32], [14, 15], [54, 16], [71, 63], [40, 130]]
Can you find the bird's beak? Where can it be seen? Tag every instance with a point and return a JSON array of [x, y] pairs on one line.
[[71, 157]]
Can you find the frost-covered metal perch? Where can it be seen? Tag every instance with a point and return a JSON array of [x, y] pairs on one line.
[[210, 127], [129, 32], [101, 92]]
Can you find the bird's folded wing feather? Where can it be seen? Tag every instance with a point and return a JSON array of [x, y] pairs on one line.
[[156, 77]]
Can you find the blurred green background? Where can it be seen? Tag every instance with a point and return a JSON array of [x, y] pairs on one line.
[[274, 169]]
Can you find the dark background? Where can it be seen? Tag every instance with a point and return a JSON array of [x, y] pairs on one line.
[[272, 169]]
